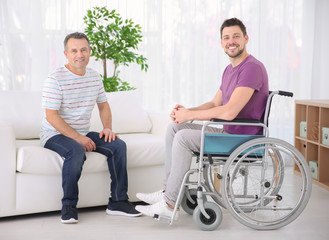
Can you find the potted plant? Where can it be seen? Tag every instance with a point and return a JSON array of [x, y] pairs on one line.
[[112, 38]]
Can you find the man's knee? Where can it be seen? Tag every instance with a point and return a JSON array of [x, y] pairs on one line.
[[117, 146], [77, 150], [188, 138], [121, 144], [76, 156], [182, 136], [172, 129]]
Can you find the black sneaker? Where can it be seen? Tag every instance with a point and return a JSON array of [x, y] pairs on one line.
[[69, 214], [122, 208]]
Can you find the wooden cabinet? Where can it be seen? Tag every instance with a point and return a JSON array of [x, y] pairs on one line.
[[316, 115]]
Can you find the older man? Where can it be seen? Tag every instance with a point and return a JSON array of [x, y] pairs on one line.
[[69, 96]]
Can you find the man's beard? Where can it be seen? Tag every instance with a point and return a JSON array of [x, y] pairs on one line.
[[236, 55]]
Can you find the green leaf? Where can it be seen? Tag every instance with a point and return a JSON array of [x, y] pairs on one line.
[[114, 39]]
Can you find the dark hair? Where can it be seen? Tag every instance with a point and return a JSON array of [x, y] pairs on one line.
[[75, 35], [233, 22]]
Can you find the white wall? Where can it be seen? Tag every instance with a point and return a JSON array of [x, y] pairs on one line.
[[182, 44], [320, 73]]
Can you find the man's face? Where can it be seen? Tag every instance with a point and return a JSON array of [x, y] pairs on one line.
[[77, 53], [233, 41]]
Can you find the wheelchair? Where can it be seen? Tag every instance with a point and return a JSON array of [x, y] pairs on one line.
[[265, 182]]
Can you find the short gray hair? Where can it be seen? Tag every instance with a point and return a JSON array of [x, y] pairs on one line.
[[75, 35]]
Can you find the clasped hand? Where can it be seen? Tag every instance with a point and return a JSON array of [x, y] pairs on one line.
[[179, 114]]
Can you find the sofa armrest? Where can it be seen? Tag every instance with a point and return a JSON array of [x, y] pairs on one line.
[[160, 123], [7, 167]]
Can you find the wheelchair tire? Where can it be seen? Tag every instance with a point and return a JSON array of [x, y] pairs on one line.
[[215, 213], [188, 206], [269, 190]]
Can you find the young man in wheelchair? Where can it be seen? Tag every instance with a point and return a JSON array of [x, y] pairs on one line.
[[242, 94]]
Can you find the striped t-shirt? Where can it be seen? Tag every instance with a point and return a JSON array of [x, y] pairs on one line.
[[74, 97]]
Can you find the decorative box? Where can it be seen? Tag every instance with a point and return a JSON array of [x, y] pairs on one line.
[[302, 129], [314, 169], [325, 136]]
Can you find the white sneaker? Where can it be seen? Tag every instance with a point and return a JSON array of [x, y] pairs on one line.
[[150, 198], [160, 208]]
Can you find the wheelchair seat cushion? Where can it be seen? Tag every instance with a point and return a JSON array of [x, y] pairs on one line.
[[225, 144]]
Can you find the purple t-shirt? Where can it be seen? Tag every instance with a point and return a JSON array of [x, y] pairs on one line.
[[249, 73]]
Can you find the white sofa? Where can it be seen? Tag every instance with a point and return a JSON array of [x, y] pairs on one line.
[[30, 176]]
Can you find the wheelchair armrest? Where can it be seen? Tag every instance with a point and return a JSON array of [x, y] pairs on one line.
[[237, 120]]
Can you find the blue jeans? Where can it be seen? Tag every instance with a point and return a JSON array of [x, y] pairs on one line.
[[74, 156]]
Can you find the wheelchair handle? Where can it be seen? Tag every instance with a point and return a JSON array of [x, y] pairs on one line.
[[287, 94]]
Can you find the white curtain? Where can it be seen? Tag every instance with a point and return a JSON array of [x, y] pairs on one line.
[[182, 44]]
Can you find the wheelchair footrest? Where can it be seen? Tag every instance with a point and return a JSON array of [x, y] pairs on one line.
[[162, 218]]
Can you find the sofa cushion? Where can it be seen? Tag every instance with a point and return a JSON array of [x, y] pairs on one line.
[[128, 116], [23, 111], [142, 150]]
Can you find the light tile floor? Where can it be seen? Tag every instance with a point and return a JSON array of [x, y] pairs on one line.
[[312, 224]]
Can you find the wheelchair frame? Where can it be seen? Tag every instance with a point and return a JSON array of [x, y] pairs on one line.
[[261, 166]]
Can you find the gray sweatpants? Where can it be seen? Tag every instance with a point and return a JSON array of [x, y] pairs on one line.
[[181, 141]]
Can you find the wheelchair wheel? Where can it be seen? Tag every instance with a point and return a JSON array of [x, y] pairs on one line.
[[266, 183], [215, 213], [187, 205]]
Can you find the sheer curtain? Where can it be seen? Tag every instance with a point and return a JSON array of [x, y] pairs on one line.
[[182, 44]]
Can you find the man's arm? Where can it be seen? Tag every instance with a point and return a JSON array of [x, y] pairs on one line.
[[61, 126], [239, 98], [216, 101], [106, 118]]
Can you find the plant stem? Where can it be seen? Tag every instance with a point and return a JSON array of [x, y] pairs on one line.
[[104, 67], [115, 69]]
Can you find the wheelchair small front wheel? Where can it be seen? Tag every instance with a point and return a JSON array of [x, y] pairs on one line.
[[215, 213], [188, 206]]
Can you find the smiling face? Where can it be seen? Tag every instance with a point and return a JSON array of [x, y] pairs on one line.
[[77, 53], [234, 42]]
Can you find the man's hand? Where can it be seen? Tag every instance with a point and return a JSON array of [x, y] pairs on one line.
[[172, 114], [180, 115], [86, 142], [109, 136]]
